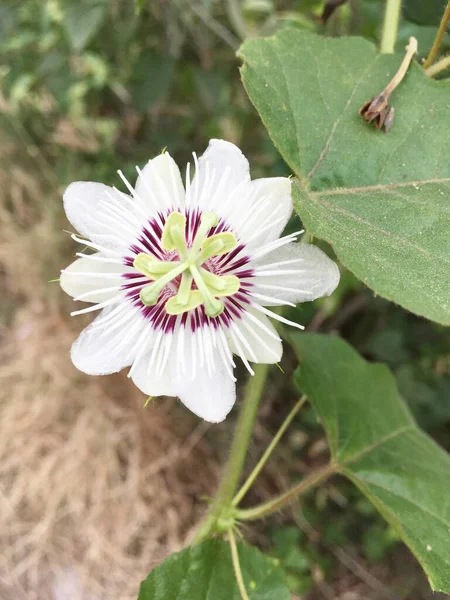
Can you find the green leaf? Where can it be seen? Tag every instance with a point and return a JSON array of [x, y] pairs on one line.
[[425, 37], [375, 442], [152, 76], [206, 571], [428, 12], [82, 20], [381, 200]]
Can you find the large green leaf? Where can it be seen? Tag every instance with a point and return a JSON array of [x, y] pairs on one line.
[[205, 572], [381, 200], [375, 442]]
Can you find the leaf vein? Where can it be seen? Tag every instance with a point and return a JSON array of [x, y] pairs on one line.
[[379, 187], [376, 444], [336, 125], [409, 500], [400, 242]]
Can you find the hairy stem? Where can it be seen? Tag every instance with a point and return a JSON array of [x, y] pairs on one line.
[[438, 67], [279, 502], [270, 448], [390, 26], [438, 39], [237, 565], [411, 50], [238, 451]]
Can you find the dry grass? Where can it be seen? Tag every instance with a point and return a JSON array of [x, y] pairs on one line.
[[93, 489]]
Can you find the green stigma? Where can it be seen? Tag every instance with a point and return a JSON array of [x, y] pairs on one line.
[[210, 287]]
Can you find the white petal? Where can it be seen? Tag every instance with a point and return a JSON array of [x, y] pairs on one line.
[[148, 382], [220, 170], [210, 396], [159, 185], [77, 285], [87, 208], [104, 350], [197, 376], [263, 344], [269, 209], [295, 273]]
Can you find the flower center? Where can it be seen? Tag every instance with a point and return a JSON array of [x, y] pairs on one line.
[[209, 286]]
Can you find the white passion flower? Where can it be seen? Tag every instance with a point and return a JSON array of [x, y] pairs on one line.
[[183, 276]]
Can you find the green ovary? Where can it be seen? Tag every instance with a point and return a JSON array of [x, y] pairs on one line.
[[210, 287]]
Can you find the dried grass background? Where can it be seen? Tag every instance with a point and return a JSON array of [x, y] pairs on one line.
[[93, 490]]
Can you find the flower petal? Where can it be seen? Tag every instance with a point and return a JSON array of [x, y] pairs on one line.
[[210, 396], [220, 170], [194, 372], [150, 383], [257, 338], [270, 207], [159, 184], [105, 346], [295, 273], [101, 214], [75, 284]]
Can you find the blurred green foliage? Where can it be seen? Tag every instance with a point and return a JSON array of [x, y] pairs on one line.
[[134, 78]]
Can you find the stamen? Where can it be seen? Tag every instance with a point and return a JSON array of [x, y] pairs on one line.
[[175, 307], [213, 281], [173, 236], [226, 285], [213, 306], [209, 285], [152, 267], [207, 221], [149, 294], [185, 288], [221, 243]]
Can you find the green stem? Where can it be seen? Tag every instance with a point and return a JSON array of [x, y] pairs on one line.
[[270, 448], [390, 26], [279, 502], [237, 565], [306, 238], [438, 67], [235, 463], [438, 39]]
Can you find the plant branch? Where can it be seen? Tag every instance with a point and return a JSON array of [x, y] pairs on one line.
[[390, 26], [279, 502], [411, 50], [438, 39], [238, 451], [237, 565], [438, 67], [270, 448], [377, 110]]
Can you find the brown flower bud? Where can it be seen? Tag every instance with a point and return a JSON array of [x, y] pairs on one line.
[[377, 110]]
